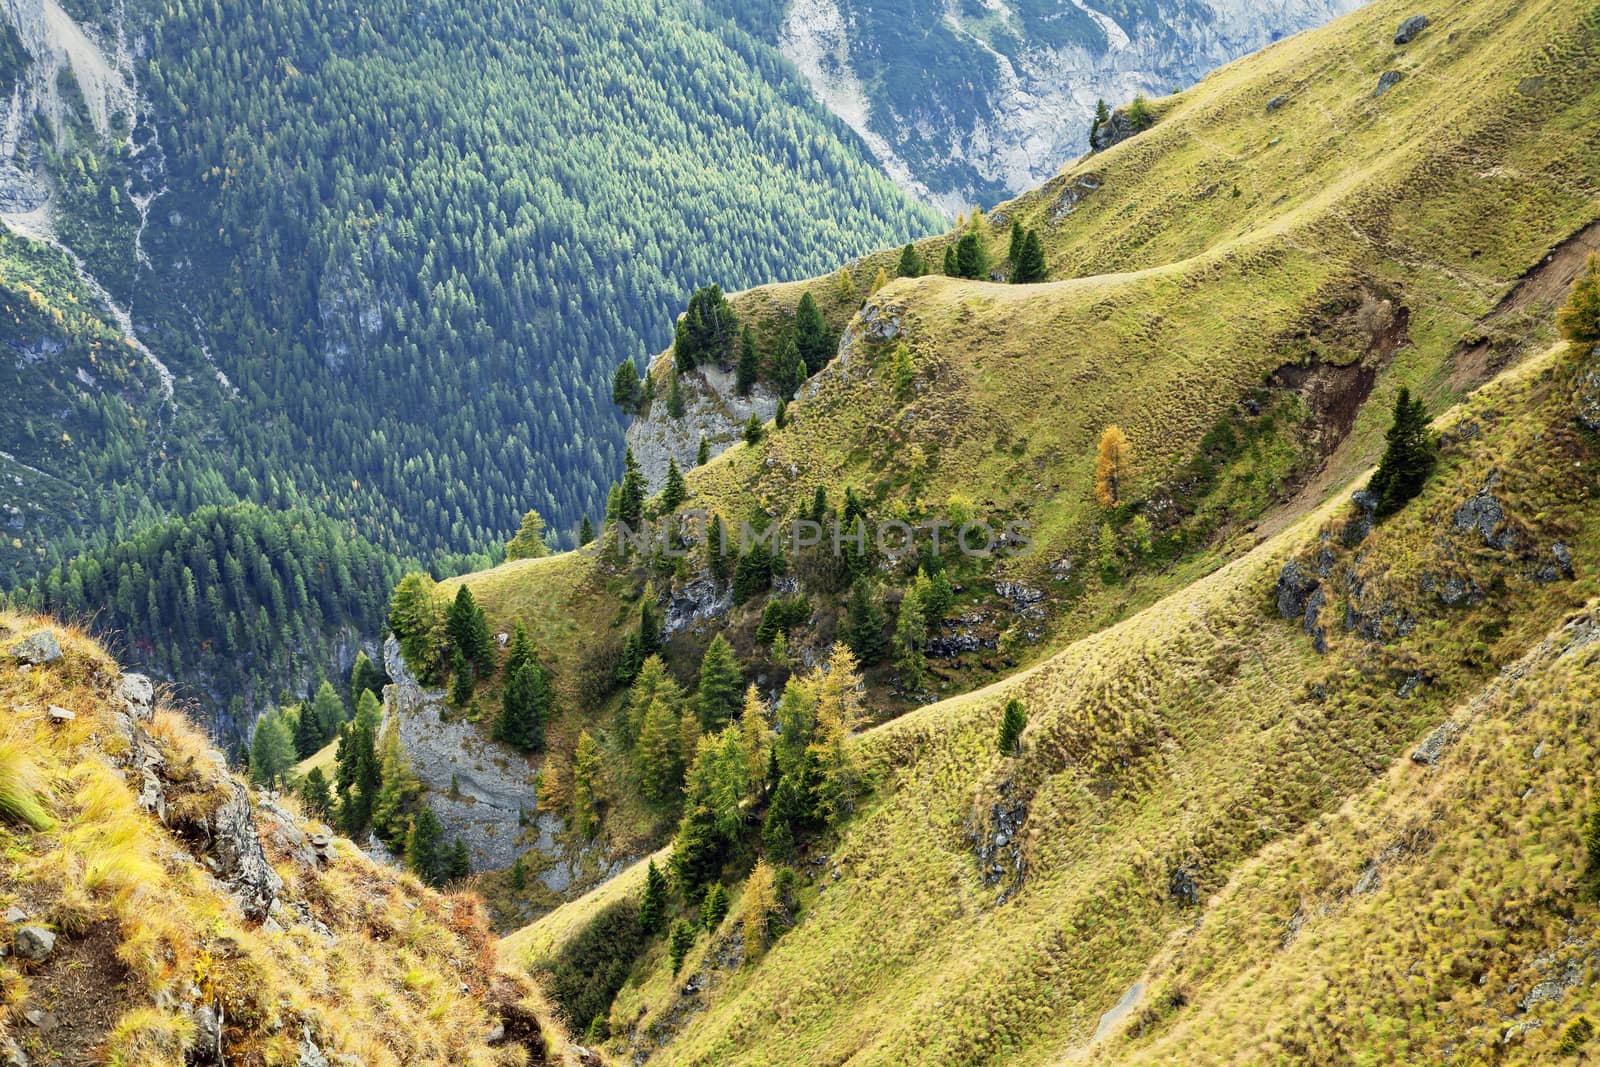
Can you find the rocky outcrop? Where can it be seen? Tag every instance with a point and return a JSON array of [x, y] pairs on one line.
[[713, 410], [1587, 400], [1012, 129], [1386, 81], [1410, 29], [1485, 514], [695, 604]]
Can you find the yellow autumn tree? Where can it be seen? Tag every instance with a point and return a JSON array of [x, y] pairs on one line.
[[760, 901], [880, 281], [1111, 466], [753, 726]]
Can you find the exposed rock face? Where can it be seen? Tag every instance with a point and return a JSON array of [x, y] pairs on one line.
[[1118, 128], [37, 648], [1587, 401], [713, 409], [240, 859], [1025, 105], [1485, 514], [695, 603], [1386, 81]]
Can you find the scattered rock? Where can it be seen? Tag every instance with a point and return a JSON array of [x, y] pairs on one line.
[[1388, 81], [15, 916], [1410, 28], [241, 861], [1024, 599], [41, 1020], [34, 942], [1554, 988], [37, 648], [1434, 745], [1409, 687], [139, 695], [60, 716], [1587, 400], [1277, 102], [11, 1054], [1184, 889], [1485, 514], [1557, 568], [1368, 880], [207, 1036]]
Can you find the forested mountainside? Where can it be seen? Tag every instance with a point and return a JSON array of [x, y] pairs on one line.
[[946, 807], [973, 101], [378, 263]]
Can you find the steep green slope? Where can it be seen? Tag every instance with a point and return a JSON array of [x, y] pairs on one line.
[[413, 242], [1195, 699]]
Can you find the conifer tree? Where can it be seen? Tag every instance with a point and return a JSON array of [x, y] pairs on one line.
[[529, 541], [971, 260], [879, 281], [903, 374], [675, 404], [520, 652], [1012, 723], [468, 629], [649, 621], [587, 772], [797, 723], [721, 683], [760, 901], [714, 908], [679, 944], [585, 531], [845, 285], [780, 415], [307, 733], [1112, 462], [864, 623], [910, 634], [659, 754], [524, 708], [1102, 115], [1408, 457], [625, 386], [1014, 252], [819, 505], [952, 264], [423, 845], [1140, 117], [702, 455], [717, 548], [653, 901], [630, 499], [461, 686], [459, 863], [772, 622], [675, 492], [749, 363], [1030, 267], [271, 750], [839, 711], [698, 852], [811, 335], [365, 675], [415, 619], [753, 728], [910, 265], [789, 368], [753, 430], [783, 813], [399, 788], [630, 659], [315, 793], [327, 712]]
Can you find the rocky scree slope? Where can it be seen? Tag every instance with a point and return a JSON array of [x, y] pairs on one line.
[[157, 912]]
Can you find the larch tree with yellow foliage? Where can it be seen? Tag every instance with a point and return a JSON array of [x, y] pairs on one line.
[[1111, 466], [760, 901]]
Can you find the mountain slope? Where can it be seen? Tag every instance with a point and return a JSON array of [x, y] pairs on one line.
[[386, 259], [982, 101], [157, 913]]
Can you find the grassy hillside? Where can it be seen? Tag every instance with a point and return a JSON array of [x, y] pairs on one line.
[[1169, 764], [187, 915], [1190, 741]]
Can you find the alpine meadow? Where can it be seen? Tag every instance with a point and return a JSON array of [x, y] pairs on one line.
[[817, 532]]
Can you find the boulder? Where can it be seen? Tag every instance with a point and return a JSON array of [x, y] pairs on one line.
[[1118, 128], [34, 942], [1435, 744], [1557, 568], [138, 695], [1410, 28], [1276, 102], [241, 861], [37, 648], [60, 716], [11, 1054], [1487, 516], [207, 1047], [1389, 80], [1295, 585]]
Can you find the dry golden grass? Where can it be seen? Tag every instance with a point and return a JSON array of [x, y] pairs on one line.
[[359, 956]]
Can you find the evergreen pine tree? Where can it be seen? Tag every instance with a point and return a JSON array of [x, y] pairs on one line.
[[521, 650], [1014, 253], [307, 732], [717, 548], [910, 634], [630, 499], [778, 830], [630, 659], [952, 265], [1030, 267], [910, 265], [585, 531], [714, 908], [625, 386], [702, 455], [459, 863], [753, 430], [653, 901], [675, 404], [327, 712], [468, 629], [749, 363], [423, 851], [461, 687], [524, 708], [788, 369], [971, 260], [519, 875], [315, 794], [811, 336], [721, 685], [679, 944], [780, 415], [675, 492], [365, 675], [1408, 457], [1012, 722], [864, 623]]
